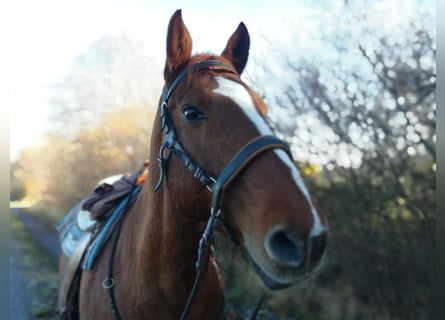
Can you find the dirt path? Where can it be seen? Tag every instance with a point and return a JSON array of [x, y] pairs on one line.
[[44, 233], [34, 251]]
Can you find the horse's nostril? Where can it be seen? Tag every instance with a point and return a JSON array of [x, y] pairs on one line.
[[283, 247]]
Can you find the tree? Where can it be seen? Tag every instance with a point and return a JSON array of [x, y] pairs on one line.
[[366, 112], [113, 73], [18, 187], [103, 113], [118, 144]]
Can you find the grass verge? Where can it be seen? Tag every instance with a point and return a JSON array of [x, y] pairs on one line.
[[38, 270]]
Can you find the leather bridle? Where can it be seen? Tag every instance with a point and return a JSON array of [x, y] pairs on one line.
[[216, 185]]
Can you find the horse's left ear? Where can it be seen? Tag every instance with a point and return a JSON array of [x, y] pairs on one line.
[[237, 48], [179, 45]]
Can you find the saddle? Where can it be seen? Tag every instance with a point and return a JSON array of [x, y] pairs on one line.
[[87, 227]]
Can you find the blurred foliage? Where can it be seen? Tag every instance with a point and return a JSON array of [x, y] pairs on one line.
[[365, 108], [17, 182], [63, 171], [102, 118], [113, 73], [360, 117]]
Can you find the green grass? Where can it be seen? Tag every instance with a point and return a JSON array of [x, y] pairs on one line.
[[38, 270]]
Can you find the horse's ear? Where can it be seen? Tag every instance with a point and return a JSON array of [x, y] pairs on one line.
[[237, 48], [179, 45]]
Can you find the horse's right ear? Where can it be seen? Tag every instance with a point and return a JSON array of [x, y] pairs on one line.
[[237, 48], [179, 45]]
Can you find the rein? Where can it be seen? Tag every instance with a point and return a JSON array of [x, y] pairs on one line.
[[217, 186]]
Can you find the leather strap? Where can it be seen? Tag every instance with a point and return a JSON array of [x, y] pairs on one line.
[[235, 166], [171, 143], [243, 158], [217, 186], [208, 64], [174, 147]]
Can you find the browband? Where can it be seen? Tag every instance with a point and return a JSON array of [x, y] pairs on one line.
[[208, 64]]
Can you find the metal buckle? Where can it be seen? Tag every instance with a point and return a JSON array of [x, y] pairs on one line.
[[215, 214], [210, 186], [197, 172]]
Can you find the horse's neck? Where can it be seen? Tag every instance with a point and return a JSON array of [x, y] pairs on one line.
[[162, 246], [168, 231], [166, 243]]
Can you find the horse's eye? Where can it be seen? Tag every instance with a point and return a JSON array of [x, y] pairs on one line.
[[192, 114]]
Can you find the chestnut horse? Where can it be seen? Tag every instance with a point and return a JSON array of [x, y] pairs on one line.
[[243, 182]]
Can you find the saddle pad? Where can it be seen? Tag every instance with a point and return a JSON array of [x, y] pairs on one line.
[[102, 235], [70, 232]]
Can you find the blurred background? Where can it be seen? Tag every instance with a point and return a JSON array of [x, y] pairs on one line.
[[349, 84]]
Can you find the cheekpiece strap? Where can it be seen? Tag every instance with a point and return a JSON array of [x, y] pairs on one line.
[[171, 145]]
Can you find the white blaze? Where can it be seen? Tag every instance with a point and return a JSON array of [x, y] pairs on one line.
[[242, 98]]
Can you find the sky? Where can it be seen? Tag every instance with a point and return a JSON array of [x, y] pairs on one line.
[[44, 37]]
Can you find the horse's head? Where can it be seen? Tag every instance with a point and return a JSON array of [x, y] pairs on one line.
[[211, 115]]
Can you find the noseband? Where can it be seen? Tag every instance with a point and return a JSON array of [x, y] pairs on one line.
[[217, 186]]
